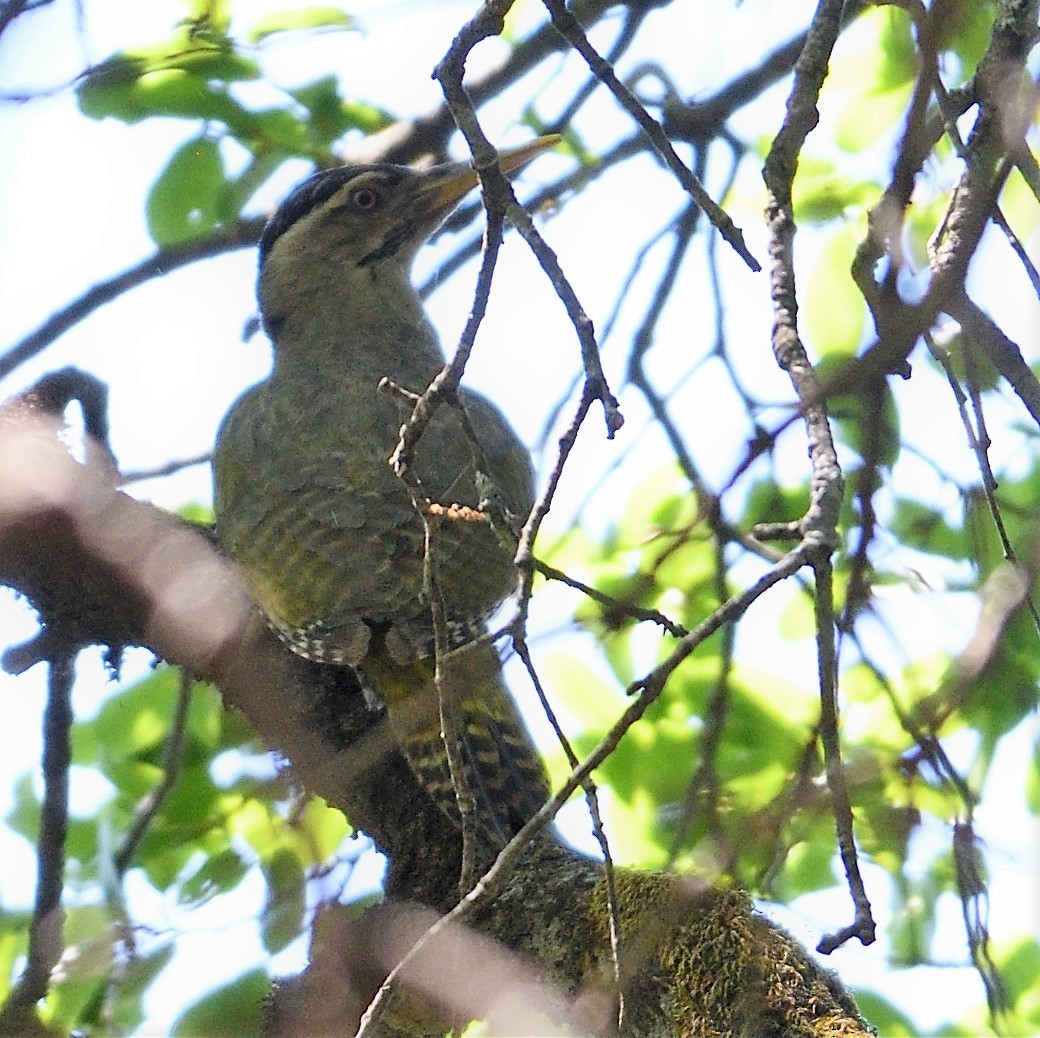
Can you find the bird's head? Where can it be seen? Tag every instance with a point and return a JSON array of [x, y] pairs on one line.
[[361, 218]]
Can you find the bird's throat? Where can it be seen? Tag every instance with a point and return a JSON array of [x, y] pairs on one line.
[[367, 324]]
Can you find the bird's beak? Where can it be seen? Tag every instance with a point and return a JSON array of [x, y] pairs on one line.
[[448, 184]]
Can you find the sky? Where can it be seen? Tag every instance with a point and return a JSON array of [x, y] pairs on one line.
[[173, 374]]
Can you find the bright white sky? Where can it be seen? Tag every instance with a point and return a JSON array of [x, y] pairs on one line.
[[66, 186]]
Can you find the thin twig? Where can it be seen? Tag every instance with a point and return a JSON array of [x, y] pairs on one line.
[[819, 525], [862, 926], [592, 800], [978, 442], [152, 803], [45, 930], [170, 468], [702, 791], [616, 605], [570, 28], [1005, 355], [447, 713]]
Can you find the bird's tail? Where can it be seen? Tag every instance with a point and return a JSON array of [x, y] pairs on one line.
[[501, 769]]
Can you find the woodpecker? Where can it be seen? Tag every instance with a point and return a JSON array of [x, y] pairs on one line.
[[326, 534]]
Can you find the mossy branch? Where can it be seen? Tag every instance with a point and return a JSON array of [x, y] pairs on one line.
[[696, 960]]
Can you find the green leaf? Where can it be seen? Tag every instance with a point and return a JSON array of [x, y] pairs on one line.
[[193, 798], [189, 95], [1033, 782], [182, 203], [24, 817], [367, 118], [797, 618], [283, 915], [871, 78], [821, 193], [279, 129], [181, 76], [808, 866], [208, 16], [14, 942], [216, 874], [1018, 203], [82, 843], [108, 90], [585, 700], [1019, 967], [834, 309], [205, 721], [768, 502], [324, 828], [125, 1010], [318, 17], [965, 28], [868, 422], [1006, 689], [888, 1020], [331, 116], [635, 837], [923, 527], [229, 1012], [134, 722], [653, 762]]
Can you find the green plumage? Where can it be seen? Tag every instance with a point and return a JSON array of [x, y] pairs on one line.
[[306, 502]]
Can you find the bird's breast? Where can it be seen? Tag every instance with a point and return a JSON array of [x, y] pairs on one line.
[[326, 533]]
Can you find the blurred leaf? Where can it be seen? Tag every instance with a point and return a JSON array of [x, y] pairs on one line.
[[126, 1010], [163, 854], [182, 203], [868, 422], [82, 843], [24, 817], [317, 17], [654, 762], [71, 1003], [1019, 967], [283, 916], [1018, 203], [924, 217], [216, 874], [14, 943], [229, 1012], [965, 28], [1006, 690], [132, 89], [911, 927], [1033, 781], [207, 723], [323, 827], [821, 193], [197, 513], [210, 15], [884, 1016], [797, 618], [808, 865], [135, 720], [280, 129], [631, 826], [767, 502], [871, 117], [873, 78], [834, 309], [923, 526]]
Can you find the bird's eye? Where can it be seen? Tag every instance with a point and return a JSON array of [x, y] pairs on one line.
[[365, 198]]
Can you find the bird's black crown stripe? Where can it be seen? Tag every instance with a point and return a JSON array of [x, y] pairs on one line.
[[313, 192]]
